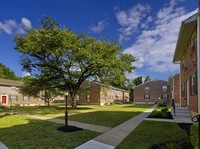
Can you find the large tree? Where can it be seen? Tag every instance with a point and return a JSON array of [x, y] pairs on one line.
[[37, 88], [67, 59], [6, 73]]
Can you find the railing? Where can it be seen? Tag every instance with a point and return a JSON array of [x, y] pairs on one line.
[[196, 119], [174, 108]]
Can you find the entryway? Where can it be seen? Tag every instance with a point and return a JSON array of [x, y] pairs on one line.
[[4, 99]]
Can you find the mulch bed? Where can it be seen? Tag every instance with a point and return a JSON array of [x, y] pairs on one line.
[[69, 129]]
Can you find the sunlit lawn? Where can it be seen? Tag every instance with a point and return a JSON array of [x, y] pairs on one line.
[[161, 135], [111, 116], [21, 132]]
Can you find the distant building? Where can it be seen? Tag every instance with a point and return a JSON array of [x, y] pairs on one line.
[[102, 95], [174, 87], [10, 96], [150, 92]]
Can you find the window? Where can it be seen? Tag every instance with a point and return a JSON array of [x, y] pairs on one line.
[[193, 84], [146, 96], [146, 89], [14, 97], [164, 88], [26, 98], [164, 96]]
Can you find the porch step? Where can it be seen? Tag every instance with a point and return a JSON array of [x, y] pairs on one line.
[[182, 115]]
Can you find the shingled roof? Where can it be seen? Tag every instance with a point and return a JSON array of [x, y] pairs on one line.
[[7, 82]]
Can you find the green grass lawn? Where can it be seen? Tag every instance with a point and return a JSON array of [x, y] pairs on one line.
[[21, 132], [150, 133], [111, 116]]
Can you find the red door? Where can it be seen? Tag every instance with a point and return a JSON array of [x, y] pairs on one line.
[[3, 99]]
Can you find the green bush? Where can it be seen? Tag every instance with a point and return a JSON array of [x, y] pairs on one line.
[[194, 136], [163, 103]]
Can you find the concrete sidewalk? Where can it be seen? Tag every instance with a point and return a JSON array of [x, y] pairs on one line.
[[111, 138], [91, 127], [3, 146]]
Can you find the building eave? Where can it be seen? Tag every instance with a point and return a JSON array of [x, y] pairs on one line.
[[186, 30]]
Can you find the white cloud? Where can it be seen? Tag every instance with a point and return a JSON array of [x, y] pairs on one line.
[[131, 19], [9, 26], [155, 47], [99, 27], [26, 23], [25, 73]]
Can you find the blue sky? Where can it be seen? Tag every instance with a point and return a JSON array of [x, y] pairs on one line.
[[148, 29]]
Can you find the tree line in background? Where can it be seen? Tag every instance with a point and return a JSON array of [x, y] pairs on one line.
[[6, 73]]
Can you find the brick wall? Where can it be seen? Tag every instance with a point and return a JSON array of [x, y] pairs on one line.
[[92, 96], [176, 83], [174, 87], [188, 67], [155, 91], [13, 97], [100, 94]]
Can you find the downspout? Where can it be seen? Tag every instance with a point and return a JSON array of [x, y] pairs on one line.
[[180, 87], [198, 56], [173, 89]]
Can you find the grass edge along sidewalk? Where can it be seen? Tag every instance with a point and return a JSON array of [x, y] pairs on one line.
[[19, 131], [150, 134], [113, 137]]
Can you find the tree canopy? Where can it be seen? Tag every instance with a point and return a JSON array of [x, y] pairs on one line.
[[137, 81], [68, 59], [148, 78], [6, 73]]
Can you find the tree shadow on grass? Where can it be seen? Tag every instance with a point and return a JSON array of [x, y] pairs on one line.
[[139, 106], [23, 132], [70, 108]]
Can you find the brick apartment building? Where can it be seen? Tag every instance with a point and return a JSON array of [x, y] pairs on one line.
[[187, 55], [150, 92], [10, 96], [102, 95], [174, 89]]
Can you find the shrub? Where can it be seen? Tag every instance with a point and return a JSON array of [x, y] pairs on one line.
[[163, 103], [194, 135]]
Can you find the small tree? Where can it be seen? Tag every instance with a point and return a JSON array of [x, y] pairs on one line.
[[67, 59], [148, 78], [37, 88]]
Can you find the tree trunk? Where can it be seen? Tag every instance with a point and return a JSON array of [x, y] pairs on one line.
[[73, 101], [48, 102]]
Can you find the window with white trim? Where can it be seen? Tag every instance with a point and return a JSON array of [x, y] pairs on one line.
[[193, 84], [26, 98], [14, 97], [146, 96], [164, 96], [146, 89]]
